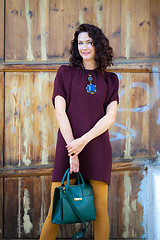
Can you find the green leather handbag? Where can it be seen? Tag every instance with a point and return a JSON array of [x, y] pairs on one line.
[[73, 203]]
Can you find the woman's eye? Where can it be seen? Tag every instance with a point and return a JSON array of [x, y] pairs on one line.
[[79, 43]]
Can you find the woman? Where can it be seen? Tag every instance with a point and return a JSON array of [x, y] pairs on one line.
[[85, 98]]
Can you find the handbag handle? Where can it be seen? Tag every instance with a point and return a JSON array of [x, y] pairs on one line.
[[67, 173], [64, 176], [78, 176]]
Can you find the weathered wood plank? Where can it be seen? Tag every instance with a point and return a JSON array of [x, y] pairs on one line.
[[31, 128], [155, 28], [130, 133], [14, 172], [135, 25], [10, 208], [16, 35], [154, 117], [1, 208], [31, 40], [40, 35], [1, 117], [56, 29], [70, 24], [98, 11], [85, 11], [1, 149], [1, 30], [24, 171], [125, 208], [40, 38], [28, 199], [112, 25], [40, 31]]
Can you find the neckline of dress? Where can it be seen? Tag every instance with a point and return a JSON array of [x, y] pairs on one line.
[[88, 71]]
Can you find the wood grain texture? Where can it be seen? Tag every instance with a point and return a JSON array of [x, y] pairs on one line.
[[71, 22], [155, 28], [154, 116], [85, 11], [1, 30], [28, 199], [125, 211], [56, 29], [1, 149], [112, 24], [1, 208], [16, 34], [31, 128], [1, 117], [130, 133], [43, 30], [135, 25]]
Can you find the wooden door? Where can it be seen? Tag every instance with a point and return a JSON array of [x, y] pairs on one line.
[[34, 41]]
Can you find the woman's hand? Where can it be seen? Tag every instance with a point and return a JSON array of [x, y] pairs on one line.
[[74, 164], [76, 146]]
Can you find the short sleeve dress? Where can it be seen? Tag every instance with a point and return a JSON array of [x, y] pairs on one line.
[[84, 110]]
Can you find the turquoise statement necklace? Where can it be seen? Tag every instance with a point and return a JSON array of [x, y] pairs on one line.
[[91, 88]]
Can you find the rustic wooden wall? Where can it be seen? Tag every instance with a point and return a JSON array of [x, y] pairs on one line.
[[34, 40]]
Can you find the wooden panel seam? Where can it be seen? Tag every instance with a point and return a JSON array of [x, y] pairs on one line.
[[55, 70], [15, 172], [119, 66]]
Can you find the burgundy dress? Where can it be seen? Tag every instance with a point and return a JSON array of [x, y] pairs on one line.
[[84, 110]]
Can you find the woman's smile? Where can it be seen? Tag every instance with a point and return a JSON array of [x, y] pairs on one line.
[[85, 53]]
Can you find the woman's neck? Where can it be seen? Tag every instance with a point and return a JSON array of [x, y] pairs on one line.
[[89, 65]]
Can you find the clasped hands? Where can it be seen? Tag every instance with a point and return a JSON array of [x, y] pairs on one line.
[[74, 148]]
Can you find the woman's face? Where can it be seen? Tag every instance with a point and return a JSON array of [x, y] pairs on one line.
[[85, 47]]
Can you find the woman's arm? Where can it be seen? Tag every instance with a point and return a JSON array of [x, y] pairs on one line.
[[100, 127], [66, 130], [62, 118]]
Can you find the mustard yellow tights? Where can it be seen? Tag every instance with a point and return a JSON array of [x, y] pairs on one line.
[[101, 225]]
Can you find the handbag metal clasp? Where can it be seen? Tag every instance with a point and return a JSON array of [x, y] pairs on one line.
[[78, 199]]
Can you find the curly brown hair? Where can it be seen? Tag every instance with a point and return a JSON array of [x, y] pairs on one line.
[[103, 52]]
